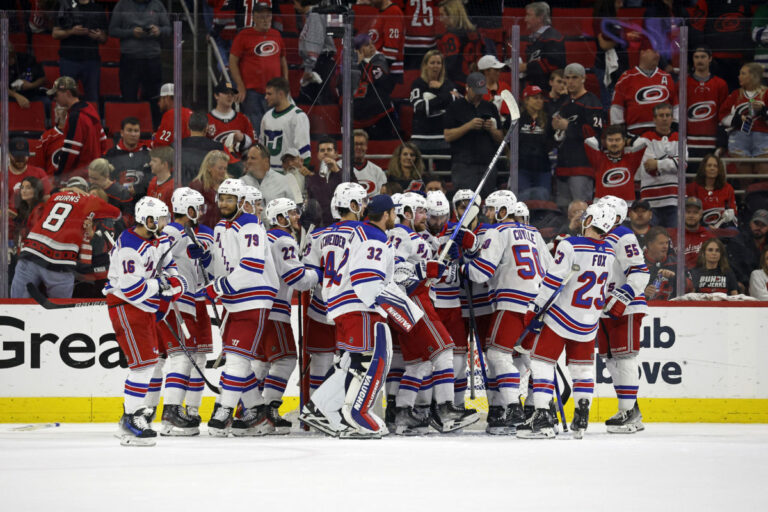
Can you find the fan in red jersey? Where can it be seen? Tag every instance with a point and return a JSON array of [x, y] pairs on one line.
[[52, 246], [47, 150], [706, 92], [225, 125], [388, 34], [164, 134], [615, 168], [717, 197]]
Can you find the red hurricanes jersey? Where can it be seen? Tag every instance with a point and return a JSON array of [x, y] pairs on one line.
[[737, 103], [693, 242], [164, 191], [84, 141], [420, 24], [54, 241], [616, 178], [260, 54], [704, 100], [388, 36], [218, 128], [715, 202], [47, 151], [636, 95], [164, 134]]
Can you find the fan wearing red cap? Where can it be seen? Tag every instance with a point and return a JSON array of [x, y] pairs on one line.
[[534, 177]]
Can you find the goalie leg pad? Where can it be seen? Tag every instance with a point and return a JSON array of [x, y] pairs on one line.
[[401, 310], [507, 376], [364, 397], [319, 366], [324, 409], [177, 379]]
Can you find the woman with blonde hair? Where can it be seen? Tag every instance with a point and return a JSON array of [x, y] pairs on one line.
[[461, 43], [213, 170], [431, 94], [406, 166], [717, 197], [744, 114], [713, 274]]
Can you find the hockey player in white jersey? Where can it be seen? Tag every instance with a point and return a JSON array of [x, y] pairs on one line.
[[192, 258], [513, 259], [276, 356], [254, 201], [143, 280], [521, 213], [576, 283], [247, 287], [619, 335]]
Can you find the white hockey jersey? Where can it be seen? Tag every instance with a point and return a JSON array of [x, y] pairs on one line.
[[132, 266], [241, 254], [358, 263], [371, 176], [444, 295], [575, 312], [513, 259], [283, 130], [482, 294], [292, 274], [410, 250], [659, 187], [313, 258], [628, 268], [190, 268]]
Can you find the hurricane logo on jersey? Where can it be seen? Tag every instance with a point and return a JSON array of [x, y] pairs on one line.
[[374, 35], [55, 157], [266, 49], [729, 22], [616, 177], [651, 94], [702, 111], [370, 187], [712, 216]]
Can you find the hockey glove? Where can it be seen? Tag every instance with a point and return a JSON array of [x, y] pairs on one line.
[[171, 288], [218, 287], [162, 309], [453, 251], [619, 301], [467, 240], [532, 318], [451, 274], [195, 252], [429, 270]]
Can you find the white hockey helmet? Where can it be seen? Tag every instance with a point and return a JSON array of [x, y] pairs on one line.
[[152, 207], [521, 210], [232, 187], [413, 200], [618, 204], [465, 194], [600, 216], [343, 196], [253, 195], [185, 198], [279, 206], [438, 210], [396, 198], [501, 199]]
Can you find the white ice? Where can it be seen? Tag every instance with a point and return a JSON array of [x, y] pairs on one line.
[[669, 467]]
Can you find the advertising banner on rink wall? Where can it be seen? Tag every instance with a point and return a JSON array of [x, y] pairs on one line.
[[698, 362]]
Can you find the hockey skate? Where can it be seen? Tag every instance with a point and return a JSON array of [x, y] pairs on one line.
[[516, 414], [497, 425], [254, 422], [580, 418], [175, 422], [446, 418], [389, 413], [540, 426], [625, 422], [280, 425], [220, 421], [150, 413], [194, 413], [408, 423], [135, 430], [312, 416]]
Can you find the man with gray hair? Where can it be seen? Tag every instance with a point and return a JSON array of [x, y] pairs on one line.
[[546, 50], [579, 115]]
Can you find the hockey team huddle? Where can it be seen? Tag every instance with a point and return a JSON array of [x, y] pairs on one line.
[[397, 289]]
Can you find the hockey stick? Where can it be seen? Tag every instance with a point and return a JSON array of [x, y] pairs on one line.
[[35, 426], [42, 300], [184, 330], [303, 353], [560, 403], [473, 342], [567, 387]]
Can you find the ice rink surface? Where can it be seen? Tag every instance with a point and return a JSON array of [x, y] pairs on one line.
[[668, 467]]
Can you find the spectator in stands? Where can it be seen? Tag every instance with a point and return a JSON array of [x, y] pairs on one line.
[[320, 186], [26, 78], [615, 166], [491, 68], [611, 59], [140, 25], [81, 26], [285, 127], [196, 147], [164, 134], [84, 138], [373, 84], [431, 94], [717, 196], [294, 168], [575, 214], [534, 176], [317, 51], [640, 215], [758, 280], [213, 171], [233, 129], [706, 93], [391, 187], [433, 183], [546, 51], [130, 161], [19, 168], [27, 209], [421, 31], [45, 151], [695, 234], [712, 273], [640, 90], [256, 56], [658, 174], [406, 167], [472, 128], [367, 173], [388, 35], [100, 173], [558, 92], [270, 182], [744, 113], [760, 37], [460, 43], [581, 114], [161, 185], [744, 249], [661, 264]]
